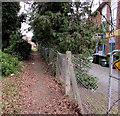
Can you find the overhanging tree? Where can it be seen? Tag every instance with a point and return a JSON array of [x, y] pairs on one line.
[[66, 26], [61, 26], [11, 35], [10, 20]]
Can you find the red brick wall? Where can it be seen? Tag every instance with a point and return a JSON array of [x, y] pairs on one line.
[[118, 16], [118, 42], [107, 39], [108, 11], [118, 27], [98, 18], [106, 46]]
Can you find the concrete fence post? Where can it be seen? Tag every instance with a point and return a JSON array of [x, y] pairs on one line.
[[67, 74], [57, 67], [70, 76]]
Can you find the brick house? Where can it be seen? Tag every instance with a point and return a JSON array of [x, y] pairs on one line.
[[113, 39]]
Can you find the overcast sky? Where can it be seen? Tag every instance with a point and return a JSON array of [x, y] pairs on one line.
[[25, 26]]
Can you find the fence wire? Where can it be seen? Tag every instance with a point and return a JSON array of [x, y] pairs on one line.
[[49, 55], [93, 101]]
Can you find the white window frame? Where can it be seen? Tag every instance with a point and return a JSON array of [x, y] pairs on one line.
[[114, 5]]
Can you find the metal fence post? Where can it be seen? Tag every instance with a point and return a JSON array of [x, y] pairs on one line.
[[110, 82], [119, 93]]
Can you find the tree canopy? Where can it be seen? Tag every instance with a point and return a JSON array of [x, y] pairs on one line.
[[11, 36], [10, 20], [64, 26]]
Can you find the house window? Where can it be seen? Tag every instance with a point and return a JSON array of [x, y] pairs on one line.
[[104, 13], [114, 14], [111, 47], [119, 21], [112, 43], [104, 17]]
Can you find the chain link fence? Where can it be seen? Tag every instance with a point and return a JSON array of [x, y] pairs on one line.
[[69, 70], [49, 55], [62, 66]]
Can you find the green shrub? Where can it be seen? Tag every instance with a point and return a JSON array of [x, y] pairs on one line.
[[9, 64], [88, 81], [18, 47]]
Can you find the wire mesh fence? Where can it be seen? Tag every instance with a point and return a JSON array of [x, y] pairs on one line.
[[94, 100], [71, 71], [49, 55]]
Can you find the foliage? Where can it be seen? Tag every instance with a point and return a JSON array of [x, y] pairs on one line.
[[63, 29], [9, 64], [11, 21], [81, 68], [18, 47], [88, 81], [66, 27], [33, 40]]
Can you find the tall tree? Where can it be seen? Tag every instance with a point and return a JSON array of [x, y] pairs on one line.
[[12, 38], [10, 20], [66, 26]]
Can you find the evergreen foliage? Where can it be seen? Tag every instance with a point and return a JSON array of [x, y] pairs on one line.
[[10, 21], [56, 25], [66, 27], [18, 47], [12, 42], [12, 38]]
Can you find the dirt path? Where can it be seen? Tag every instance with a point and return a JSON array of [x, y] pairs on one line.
[[40, 94]]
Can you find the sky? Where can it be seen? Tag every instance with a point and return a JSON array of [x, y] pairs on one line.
[[25, 26], [25, 8]]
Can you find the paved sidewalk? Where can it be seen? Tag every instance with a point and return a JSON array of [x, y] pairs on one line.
[[95, 102], [102, 74]]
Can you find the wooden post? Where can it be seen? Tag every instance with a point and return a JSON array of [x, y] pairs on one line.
[[67, 75]]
